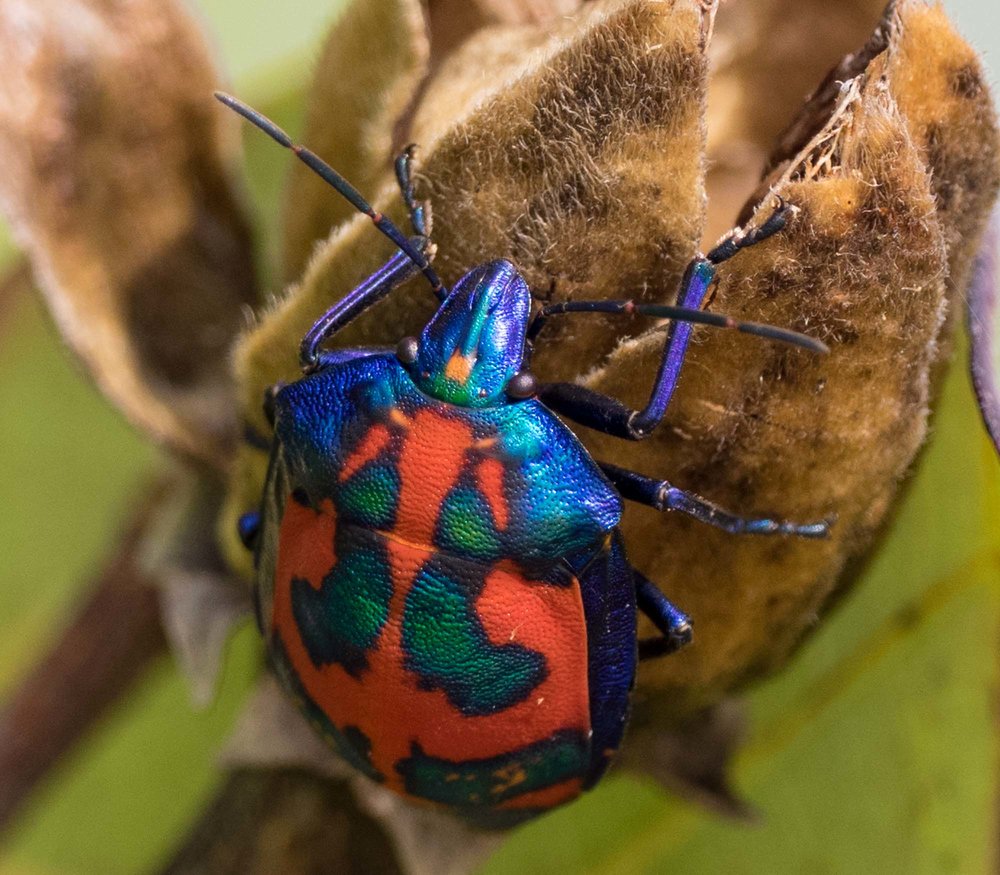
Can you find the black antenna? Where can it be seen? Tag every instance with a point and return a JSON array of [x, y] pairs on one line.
[[681, 314], [329, 175]]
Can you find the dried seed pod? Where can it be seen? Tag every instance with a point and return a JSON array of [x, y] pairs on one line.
[[868, 264], [757, 86], [117, 182]]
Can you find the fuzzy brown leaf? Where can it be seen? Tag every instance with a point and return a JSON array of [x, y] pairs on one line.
[[117, 181], [940, 85], [454, 21], [938, 82]]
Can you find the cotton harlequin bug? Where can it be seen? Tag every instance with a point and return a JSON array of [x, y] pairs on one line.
[[440, 577]]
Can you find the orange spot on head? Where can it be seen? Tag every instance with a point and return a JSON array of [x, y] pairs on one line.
[[459, 367]]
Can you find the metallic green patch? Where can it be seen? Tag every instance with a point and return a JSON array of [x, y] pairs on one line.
[[370, 497], [446, 645], [341, 620], [486, 783], [466, 526]]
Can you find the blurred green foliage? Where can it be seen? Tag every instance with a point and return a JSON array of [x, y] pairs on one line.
[[876, 750]]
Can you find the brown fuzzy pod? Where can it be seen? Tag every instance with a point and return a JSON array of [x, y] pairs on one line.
[[117, 181], [892, 200], [764, 430]]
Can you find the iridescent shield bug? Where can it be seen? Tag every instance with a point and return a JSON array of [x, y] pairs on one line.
[[440, 577]]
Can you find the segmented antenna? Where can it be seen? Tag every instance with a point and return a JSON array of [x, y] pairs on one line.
[[341, 185]]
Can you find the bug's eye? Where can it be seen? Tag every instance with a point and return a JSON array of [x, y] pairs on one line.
[[522, 385], [407, 350]]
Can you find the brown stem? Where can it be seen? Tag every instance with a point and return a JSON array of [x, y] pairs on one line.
[[105, 648], [283, 821]]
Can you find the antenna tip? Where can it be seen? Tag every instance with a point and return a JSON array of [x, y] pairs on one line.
[[255, 118]]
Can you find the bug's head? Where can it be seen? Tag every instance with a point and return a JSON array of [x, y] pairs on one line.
[[473, 346]]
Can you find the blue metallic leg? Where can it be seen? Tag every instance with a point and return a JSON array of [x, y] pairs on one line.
[[404, 176], [248, 527], [397, 270], [661, 495], [672, 622], [601, 412], [413, 255], [390, 276]]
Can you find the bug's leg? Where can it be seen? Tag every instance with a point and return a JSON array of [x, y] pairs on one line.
[[604, 413], [418, 211], [390, 276], [674, 625], [404, 176], [248, 528], [661, 495]]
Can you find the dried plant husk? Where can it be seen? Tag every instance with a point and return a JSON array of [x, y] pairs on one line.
[[939, 85], [765, 58], [767, 430], [451, 22], [117, 181]]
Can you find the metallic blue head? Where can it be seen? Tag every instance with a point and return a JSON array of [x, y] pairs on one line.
[[474, 344]]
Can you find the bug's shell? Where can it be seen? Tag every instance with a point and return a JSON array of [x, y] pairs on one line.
[[441, 590]]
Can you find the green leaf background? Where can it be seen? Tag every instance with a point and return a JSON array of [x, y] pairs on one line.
[[876, 750]]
